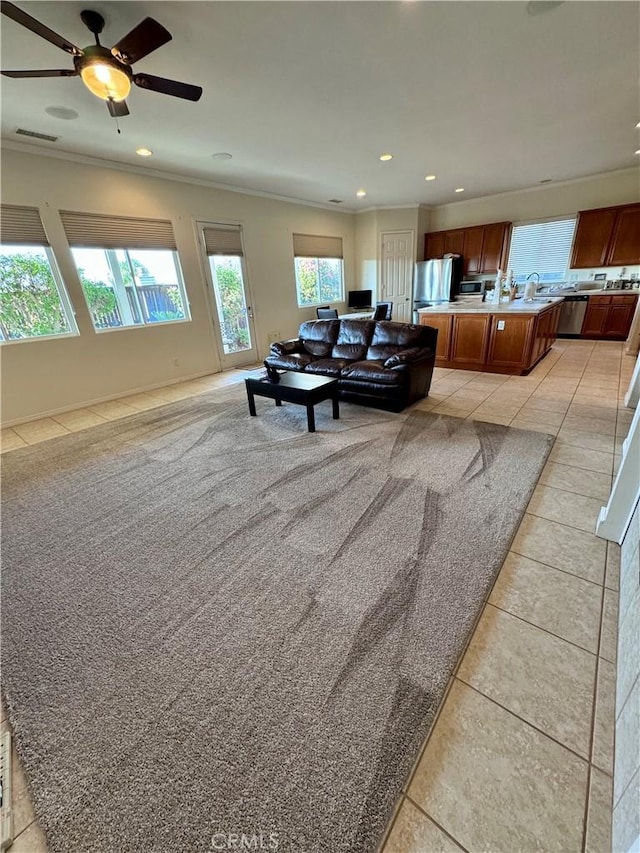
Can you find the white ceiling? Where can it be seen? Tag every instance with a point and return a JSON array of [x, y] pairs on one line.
[[307, 95]]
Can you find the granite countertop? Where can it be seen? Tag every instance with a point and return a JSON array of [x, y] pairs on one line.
[[517, 306]]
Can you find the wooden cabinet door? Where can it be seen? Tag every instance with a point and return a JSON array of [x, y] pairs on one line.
[[510, 346], [593, 235], [469, 338], [625, 245], [434, 245], [443, 323], [618, 321], [595, 319], [472, 249], [454, 242], [495, 249]]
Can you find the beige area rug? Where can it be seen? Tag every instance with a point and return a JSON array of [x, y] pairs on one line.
[[215, 624]]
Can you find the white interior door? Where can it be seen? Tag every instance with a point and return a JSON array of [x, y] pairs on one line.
[[396, 273]]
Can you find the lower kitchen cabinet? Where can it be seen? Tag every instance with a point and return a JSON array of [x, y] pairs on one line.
[[493, 343], [469, 340], [609, 316]]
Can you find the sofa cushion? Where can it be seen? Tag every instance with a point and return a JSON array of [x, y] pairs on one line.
[[319, 336], [353, 339], [391, 338], [372, 371], [327, 366], [289, 361]]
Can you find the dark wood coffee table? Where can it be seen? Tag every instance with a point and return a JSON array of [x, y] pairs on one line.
[[305, 389]]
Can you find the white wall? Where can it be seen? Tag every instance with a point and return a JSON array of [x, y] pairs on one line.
[[567, 197], [44, 376]]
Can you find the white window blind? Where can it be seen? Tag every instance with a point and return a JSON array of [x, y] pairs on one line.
[[541, 247], [222, 240], [310, 246], [117, 232], [21, 226]]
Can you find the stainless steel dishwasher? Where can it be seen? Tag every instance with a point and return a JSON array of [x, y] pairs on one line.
[[572, 313]]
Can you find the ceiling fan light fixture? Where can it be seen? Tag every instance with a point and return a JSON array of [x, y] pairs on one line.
[[104, 76]]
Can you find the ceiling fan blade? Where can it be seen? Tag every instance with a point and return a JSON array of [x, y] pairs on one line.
[[36, 27], [64, 72], [148, 36], [117, 109], [168, 87]]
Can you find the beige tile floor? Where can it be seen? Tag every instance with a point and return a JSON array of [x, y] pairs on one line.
[[521, 755]]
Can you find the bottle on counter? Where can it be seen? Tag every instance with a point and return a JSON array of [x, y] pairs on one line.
[[497, 288]]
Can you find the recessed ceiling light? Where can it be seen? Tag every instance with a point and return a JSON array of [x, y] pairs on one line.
[[62, 112], [144, 152], [460, 190], [638, 151], [385, 157], [429, 177], [638, 125], [222, 155], [361, 193]]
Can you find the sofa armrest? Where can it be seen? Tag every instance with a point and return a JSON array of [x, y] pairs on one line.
[[407, 356], [286, 347]]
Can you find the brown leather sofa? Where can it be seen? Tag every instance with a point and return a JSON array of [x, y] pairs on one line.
[[381, 364]]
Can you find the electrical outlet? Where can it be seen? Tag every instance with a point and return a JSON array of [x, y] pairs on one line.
[[500, 325], [274, 336]]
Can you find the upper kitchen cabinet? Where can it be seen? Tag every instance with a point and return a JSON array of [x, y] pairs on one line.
[[625, 247], [434, 245], [472, 249], [484, 248], [495, 249], [607, 237], [454, 242]]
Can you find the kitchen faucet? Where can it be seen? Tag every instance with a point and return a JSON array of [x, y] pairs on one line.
[[537, 282]]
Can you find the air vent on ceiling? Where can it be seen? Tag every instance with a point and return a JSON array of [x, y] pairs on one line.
[[335, 200], [32, 133]]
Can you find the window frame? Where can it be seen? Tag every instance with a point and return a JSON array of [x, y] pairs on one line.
[[114, 269], [323, 301], [66, 304], [543, 221]]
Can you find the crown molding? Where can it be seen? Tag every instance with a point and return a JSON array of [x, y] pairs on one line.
[[102, 163]]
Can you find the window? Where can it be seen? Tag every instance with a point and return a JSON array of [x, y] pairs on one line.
[[541, 247], [33, 300], [128, 268], [318, 268], [223, 245]]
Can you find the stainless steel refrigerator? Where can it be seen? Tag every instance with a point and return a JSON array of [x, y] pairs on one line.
[[436, 281]]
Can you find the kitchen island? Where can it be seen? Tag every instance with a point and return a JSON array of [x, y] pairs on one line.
[[508, 338]]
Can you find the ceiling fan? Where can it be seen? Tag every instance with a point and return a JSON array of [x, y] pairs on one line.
[[106, 73]]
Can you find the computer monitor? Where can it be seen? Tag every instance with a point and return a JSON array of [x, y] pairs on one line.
[[360, 298]]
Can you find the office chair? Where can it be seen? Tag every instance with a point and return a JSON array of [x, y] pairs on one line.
[[327, 313], [383, 311]]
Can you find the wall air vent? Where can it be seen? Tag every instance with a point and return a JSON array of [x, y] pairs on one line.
[[335, 200], [32, 133]]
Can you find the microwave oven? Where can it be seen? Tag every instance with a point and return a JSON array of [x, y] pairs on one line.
[[471, 288]]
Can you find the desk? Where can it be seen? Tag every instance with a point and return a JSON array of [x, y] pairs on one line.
[[357, 315]]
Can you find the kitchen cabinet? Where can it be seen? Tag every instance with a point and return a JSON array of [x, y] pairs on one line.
[[609, 316], [443, 323], [472, 249], [625, 247], [484, 248], [434, 245], [469, 339], [607, 236], [494, 343], [495, 248]]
